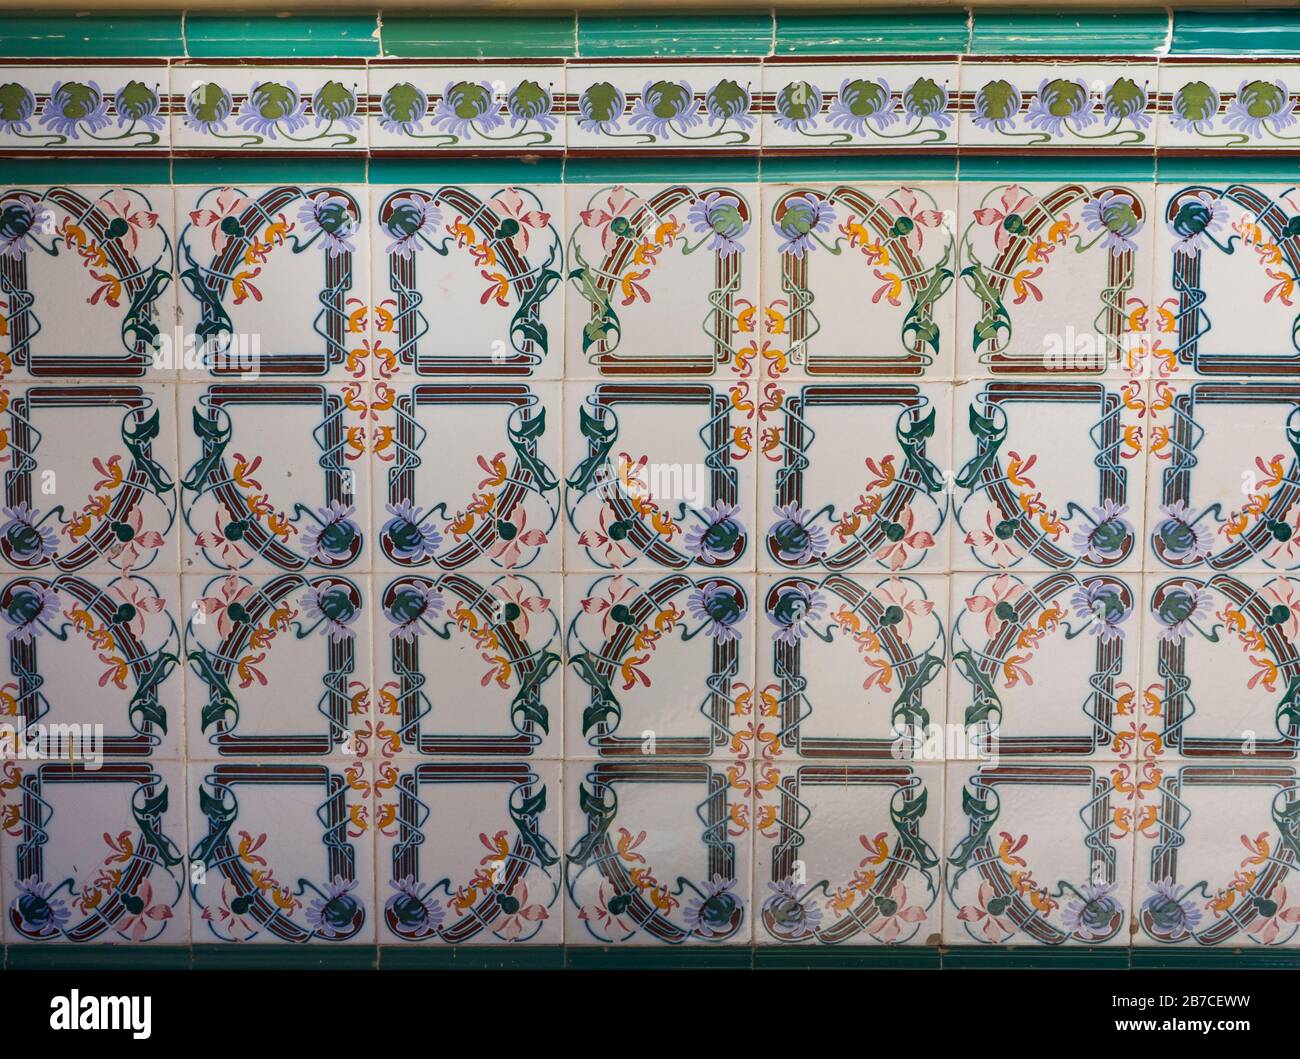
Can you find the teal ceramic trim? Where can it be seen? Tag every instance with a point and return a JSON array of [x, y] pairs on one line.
[[877, 33], [654, 170], [800, 169], [253, 170], [504, 37], [132, 172], [503, 171], [633, 958], [1255, 958], [97, 958], [326, 36], [1236, 32], [285, 957], [1075, 957], [1187, 169], [859, 958], [472, 958], [1069, 33], [1057, 167], [107, 36], [670, 36]]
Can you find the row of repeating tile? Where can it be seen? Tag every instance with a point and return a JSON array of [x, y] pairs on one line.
[[935, 280], [900, 103], [651, 852]]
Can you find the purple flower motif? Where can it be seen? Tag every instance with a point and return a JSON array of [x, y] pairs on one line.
[[663, 105], [729, 101], [334, 538], [1196, 221], [72, 105], [412, 909], [798, 106], [720, 608], [926, 98], [1115, 213], [412, 605], [17, 105], [720, 216], [207, 106], [600, 108], [1181, 536], [795, 609], [38, 912], [335, 104], [24, 538], [409, 536], [333, 912], [997, 105], [402, 109], [1171, 910], [713, 911], [466, 106], [1092, 915], [795, 538], [411, 220], [1126, 100], [19, 216], [1179, 609], [137, 104], [1195, 107], [790, 917], [804, 218], [860, 104], [1102, 603], [717, 533], [1105, 537], [331, 216], [1060, 101], [1261, 106], [334, 607], [272, 107]]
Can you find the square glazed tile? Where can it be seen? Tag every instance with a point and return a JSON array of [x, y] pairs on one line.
[[1055, 278], [276, 476], [1226, 254], [87, 281], [279, 665], [659, 474], [273, 280], [1224, 493], [256, 108], [659, 852], [101, 651], [283, 852], [854, 476], [470, 664], [468, 280], [85, 107], [469, 853], [857, 280], [660, 664], [428, 106], [90, 478], [96, 854], [663, 279], [693, 106], [851, 668], [884, 103], [848, 854], [1049, 475], [1240, 103], [467, 476], [1037, 854], [1214, 866], [1024, 105], [1047, 664]]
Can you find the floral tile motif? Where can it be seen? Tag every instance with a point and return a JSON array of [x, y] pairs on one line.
[[659, 852], [850, 668], [278, 665], [1231, 103], [470, 664], [878, 502], [1221, 246], [659, 475], [663, 106], [84, 108], [489, 258], [648, 261], [658, 665], [85, 280], [470, 853], [1215, 866], [94, 649], [815, 315], [1224, 481], [272, 280], [1054, 277], [494, 507], [282, 853], [1047, 664], [256, 108], [89, 479], [848, 854], [96, 855], [276, 476], [428, 106], [1021, 105], [886, 103], [1223, 670], [1037, 854], [1050, 475]]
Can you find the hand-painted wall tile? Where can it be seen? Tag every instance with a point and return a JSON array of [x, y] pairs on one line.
[[84, 107], [1235, 103]]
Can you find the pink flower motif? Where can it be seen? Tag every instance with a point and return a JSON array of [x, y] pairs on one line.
[[1283, 594], [229, 203], [1002, 552], [618, 591], [611, 925], [513, 537], [903, 204], [140, 544], [603, 537], [902, 537], [231, 553], [135, 594], [895, 591], [890, 927], [1016, 202], [1267, 929], [517, 922], [237, 926], [992, 926], [512, 590], [619, 206], [1003, 590], [139, 926], [233, 596], [118, 205], [511, 204]]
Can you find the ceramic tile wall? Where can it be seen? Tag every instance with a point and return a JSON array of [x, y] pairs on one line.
[[761, 497]]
